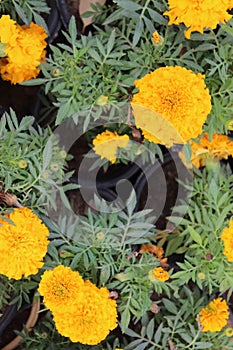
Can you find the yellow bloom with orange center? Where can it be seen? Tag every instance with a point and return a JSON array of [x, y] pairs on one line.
[[214, 316], [23, 244], [227, 238], [60, 286], [220, 147], [107, 143], [92, 317], [179, 103], [160, 274], [24, 52], [198, 15]]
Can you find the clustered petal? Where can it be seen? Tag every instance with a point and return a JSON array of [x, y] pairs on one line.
[[227, 238], [107, 143], [214, 316], [198, 15], [179, 96], [25, 50], [87, 314], [23, 244]]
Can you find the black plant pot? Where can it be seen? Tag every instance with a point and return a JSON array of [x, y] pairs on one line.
[[27, 315]]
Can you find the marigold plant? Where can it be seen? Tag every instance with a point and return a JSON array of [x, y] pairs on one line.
[[23, 244], [198, 15], [177, 94], [107, 143], [214, 316]]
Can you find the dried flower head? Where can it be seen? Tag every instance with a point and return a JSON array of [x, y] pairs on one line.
[[214, 316], [179, 97], [198, 15], [155, 250], [23, 244], [106, 144]]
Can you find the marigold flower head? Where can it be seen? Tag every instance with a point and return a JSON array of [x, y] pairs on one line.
[[22, 245], [176, 95], [87, 314], [24, 53], [214, 316], [198, 15], [60, 286], [160, 274], [227, 238], [106, 144], [204, 151], [92, 317]]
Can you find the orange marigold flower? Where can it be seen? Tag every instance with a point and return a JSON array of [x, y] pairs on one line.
[[214, 316], [177, 95], [155, 250], [24, 55], [60, 286], [92, 318], [220, 147], [198, 15], [22, 245], [106, 144], [160, 274], [227, 238]]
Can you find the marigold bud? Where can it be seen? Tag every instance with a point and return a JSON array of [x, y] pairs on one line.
[[22, 164]]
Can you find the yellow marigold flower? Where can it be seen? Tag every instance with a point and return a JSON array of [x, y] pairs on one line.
[[179, 97], [93, 316], [157, 39], [198, 15], [106, 144], [214, 316], [155, 250], [60, 286], [22, 245], [160, 274], [220, 147], [227, 238], [25, 55], [8, 30]]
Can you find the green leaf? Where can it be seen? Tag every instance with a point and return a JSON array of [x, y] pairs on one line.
[[195, 236], [125, 319]]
